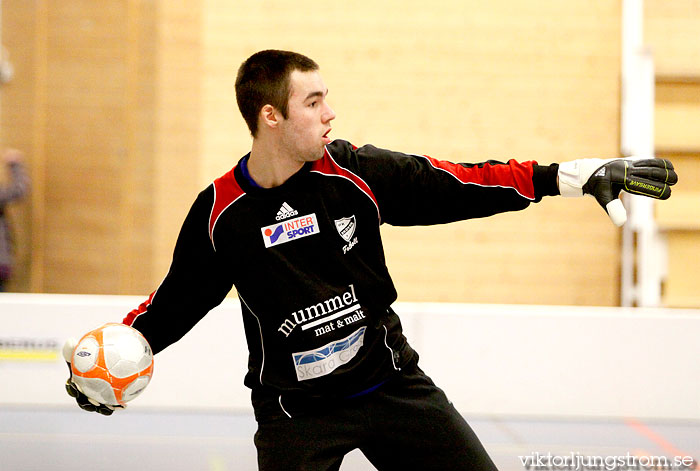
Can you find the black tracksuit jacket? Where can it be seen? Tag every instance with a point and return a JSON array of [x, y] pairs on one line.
[[307, 261]]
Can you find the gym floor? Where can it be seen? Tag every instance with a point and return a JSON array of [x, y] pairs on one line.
[[70, 440]]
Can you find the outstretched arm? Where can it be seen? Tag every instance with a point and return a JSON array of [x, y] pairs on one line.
[[421, 190]]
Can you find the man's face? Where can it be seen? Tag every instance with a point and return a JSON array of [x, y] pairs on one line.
[[305, 131]]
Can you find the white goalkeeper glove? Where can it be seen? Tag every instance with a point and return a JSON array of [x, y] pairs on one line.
[[73, 390], [605, 178]]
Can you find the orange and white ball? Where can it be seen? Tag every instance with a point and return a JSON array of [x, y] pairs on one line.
[[112, 364]]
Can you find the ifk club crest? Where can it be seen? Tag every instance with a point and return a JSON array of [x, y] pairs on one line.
[[346, 227]]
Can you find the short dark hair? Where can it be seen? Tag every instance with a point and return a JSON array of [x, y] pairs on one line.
[[264, 79]]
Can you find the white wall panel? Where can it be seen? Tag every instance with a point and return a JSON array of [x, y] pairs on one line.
[[490, 359]]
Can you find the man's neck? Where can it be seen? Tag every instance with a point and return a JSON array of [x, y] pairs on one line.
[[269, 166]]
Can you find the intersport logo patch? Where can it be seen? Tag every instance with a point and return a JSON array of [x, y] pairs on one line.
[[287, 231]]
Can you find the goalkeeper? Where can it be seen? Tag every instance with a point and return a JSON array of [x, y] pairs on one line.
[[295, 227]]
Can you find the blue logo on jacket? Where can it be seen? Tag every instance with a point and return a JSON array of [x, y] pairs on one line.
[[276, 235], [324, 360]]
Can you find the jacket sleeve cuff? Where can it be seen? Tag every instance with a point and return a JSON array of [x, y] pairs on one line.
[[544, 179]]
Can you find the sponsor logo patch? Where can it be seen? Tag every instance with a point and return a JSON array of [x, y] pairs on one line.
[[290, 230], [322, 361]]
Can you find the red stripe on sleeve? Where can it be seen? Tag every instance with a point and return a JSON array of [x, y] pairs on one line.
[[514, 175], [143, 307], [226, 192]]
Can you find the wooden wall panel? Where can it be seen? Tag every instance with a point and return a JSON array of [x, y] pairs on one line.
[[18, 117], [88, 92], [672, 30], [677, 114], [136, 218], [85, 144], [178, 117], [681, 287]]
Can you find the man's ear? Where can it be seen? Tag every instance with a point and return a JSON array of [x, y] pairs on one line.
[[269, 116]]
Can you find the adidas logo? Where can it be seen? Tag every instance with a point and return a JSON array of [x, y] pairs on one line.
[[600, 172], [285, 212]]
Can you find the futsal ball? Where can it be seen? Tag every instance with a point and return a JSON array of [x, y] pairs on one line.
[[112, 364]]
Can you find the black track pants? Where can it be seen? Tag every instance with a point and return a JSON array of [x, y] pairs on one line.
[[407, 424]]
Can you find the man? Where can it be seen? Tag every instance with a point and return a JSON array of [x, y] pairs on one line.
[[294, 226], [14, 189]]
